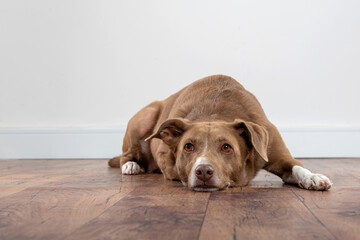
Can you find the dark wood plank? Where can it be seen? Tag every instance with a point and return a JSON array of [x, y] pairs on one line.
[[47, 199], [150, 212], [17, 175], [338, 209], [262, 213], [50, 213]]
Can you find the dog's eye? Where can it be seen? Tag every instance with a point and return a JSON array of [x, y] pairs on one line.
[[189, 147], [226, 148]]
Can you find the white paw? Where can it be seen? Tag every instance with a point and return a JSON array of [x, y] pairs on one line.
[[130, 168], [308, 180], [315, 181]]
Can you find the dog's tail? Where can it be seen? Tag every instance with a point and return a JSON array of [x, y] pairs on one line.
[[114, 162]]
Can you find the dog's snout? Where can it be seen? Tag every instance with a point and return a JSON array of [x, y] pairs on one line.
[[204, 172]]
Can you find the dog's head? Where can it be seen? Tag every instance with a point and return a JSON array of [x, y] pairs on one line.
[[215, 155]]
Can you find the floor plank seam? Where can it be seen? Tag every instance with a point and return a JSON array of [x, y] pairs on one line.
[[5, 188], [202, 222], [317, 219]]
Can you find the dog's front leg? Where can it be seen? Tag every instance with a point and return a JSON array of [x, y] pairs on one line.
[[167, 166], [165, 159], [290, 170], [293, 172]]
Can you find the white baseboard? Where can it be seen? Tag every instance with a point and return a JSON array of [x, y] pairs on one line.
[[106, 143], [322, 143], [60, 143]]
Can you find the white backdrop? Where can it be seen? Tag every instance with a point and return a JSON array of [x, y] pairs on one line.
[[73, 72]]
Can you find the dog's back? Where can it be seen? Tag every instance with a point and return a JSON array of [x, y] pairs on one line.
[[214, 98]]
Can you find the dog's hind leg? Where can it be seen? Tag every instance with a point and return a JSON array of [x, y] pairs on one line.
[[136, 155], [290, 170], [114, 162]]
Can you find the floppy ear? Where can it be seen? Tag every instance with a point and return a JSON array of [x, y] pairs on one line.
[[256, 134], [170, 131]]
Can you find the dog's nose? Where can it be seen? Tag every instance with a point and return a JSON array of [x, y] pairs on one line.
[[204, 172]]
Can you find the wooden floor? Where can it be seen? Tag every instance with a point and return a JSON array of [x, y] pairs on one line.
[[84, 199]]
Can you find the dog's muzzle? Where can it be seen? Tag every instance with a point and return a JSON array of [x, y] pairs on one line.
[[205, 178]]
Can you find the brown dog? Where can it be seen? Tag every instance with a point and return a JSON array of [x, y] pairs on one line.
[[211, 135]]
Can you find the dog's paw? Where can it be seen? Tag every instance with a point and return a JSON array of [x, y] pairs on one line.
[[130, 168], [315, 181]]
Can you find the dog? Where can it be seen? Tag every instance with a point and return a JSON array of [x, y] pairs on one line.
[[211, 135]]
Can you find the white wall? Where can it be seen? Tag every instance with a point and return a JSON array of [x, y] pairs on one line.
[[92, 64]]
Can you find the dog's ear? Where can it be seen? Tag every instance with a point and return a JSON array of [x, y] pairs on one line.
[[170, 131], [257, 135]]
